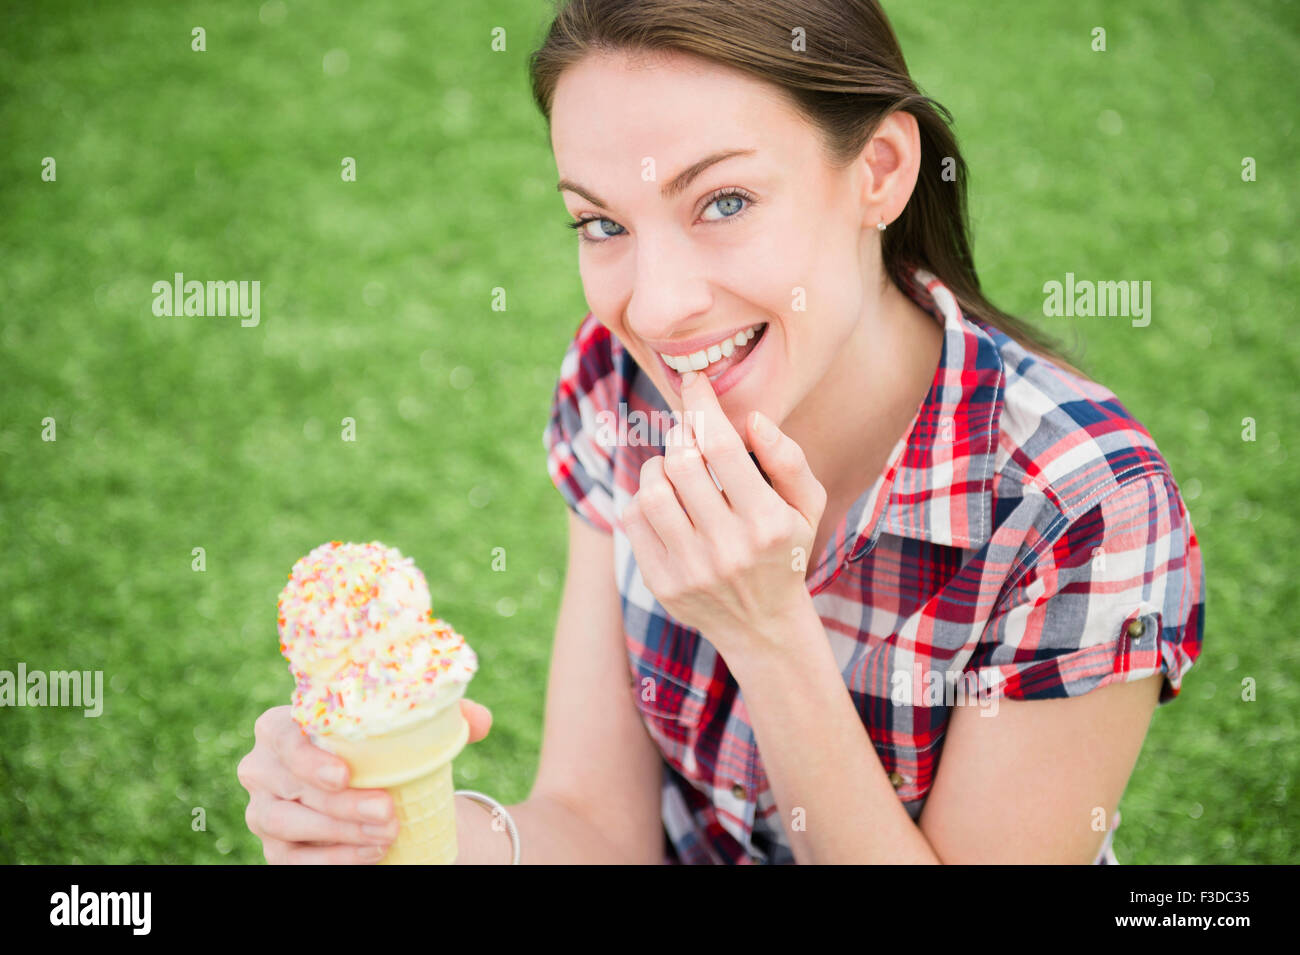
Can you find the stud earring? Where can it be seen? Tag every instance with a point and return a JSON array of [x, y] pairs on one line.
[[881, 224]]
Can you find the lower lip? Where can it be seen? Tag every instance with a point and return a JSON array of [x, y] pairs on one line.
[[729, 378]]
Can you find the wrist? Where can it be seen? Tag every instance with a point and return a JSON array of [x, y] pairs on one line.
[[479, 843], [789, 635]]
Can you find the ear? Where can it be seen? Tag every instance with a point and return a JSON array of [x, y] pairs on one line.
[[891, 163]]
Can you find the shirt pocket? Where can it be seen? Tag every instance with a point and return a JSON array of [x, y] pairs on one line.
[[671, 707]]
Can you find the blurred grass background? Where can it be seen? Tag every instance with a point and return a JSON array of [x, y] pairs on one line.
[[176, 433]]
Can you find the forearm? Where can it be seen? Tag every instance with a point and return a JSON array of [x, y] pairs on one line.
[[550, 833], [819, 758]]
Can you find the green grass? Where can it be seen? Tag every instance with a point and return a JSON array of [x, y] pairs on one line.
[[183, 433]]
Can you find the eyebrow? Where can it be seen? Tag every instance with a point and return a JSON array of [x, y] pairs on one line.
[[673, 187]]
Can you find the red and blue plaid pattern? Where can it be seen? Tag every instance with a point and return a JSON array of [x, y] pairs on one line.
[[1026, 533]]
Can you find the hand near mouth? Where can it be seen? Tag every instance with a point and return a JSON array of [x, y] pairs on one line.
[[730, 563]]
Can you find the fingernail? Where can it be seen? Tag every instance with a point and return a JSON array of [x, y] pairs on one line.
[[375, 808], [688, 377], [372, 853], [331, 775], [384, 832], [764, 428]]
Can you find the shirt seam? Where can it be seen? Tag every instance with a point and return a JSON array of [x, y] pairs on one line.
[[1063, 520]]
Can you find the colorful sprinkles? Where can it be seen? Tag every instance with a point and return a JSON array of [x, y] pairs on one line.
[[362, 642]]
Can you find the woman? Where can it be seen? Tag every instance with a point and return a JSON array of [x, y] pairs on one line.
[[899, 585]]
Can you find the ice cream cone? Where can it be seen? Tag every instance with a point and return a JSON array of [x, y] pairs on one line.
[[413, 763], [378, 680]]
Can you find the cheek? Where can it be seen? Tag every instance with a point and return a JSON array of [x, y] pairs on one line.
[[605, 283], [833, 300], [595, 286], [782, 264], [808, 271]]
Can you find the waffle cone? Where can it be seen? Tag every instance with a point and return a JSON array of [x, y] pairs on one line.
[[413, 764]]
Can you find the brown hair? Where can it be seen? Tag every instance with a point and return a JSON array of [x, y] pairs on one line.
[[850, 77]]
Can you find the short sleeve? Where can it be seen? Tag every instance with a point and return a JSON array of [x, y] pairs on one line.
[[1116, 595], [580, 466]]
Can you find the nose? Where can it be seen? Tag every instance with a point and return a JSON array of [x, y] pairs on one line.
[[670, 291]]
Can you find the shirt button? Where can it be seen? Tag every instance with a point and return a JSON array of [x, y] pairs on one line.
[[738, 791], [1136, 629], [897, 779]]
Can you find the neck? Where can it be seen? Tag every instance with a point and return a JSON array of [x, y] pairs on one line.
[[848, 425]]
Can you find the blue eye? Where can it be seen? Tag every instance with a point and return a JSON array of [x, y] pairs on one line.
[[581, 226], [730, 200]]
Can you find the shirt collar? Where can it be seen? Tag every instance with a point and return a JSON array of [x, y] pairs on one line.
[[938, 483]]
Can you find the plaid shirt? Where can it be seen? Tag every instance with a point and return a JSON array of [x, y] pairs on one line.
[[1025, 532]]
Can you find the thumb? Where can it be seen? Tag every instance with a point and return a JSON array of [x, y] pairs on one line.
[[479, 718], [787, 466]]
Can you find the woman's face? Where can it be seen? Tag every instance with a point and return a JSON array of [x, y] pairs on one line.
[[673, 268]]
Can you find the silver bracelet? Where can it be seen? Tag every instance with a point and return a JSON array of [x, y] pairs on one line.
[[491, 803]]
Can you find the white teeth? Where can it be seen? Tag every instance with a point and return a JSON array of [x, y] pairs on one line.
[[698, 361]]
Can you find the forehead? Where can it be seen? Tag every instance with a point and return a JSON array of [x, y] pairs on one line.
[[612, 110]]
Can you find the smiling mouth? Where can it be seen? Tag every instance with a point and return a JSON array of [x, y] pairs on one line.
[[717, 359]]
